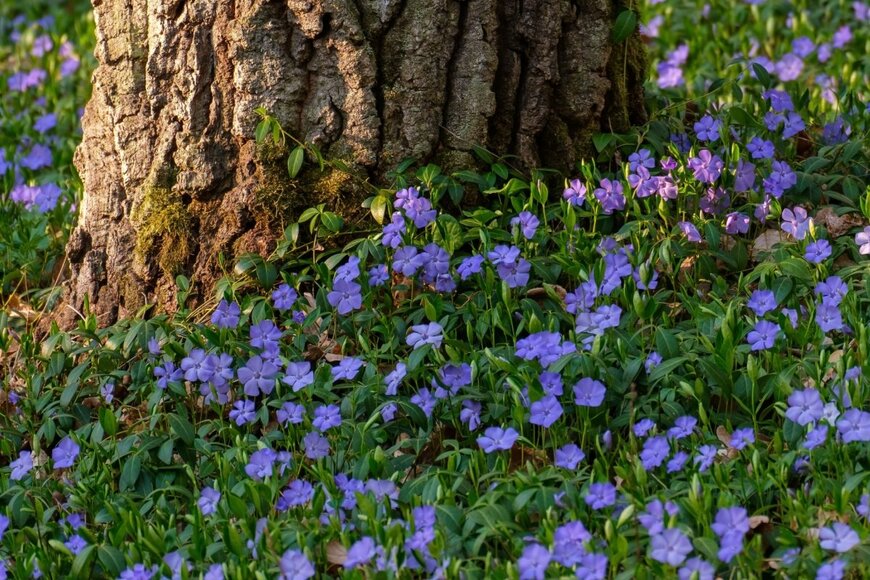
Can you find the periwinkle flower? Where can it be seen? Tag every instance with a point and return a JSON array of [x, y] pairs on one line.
[[284, 297], [705, 457], [361, 553], [298, 375], [828, 317], [600, 495], [378, 275], [761, 302], [208, 500], [760, 148], [75, 544], [706, 167], [589, 392], [854, 426], [816, 437], [406, 261], [862, 240], [497, 439], [295, 566], [696, 569], [470, 414], [575, 193], [197, 366], [258, 376], [796, 222], [346, 296], [677, 462], [226, 315], [568, 456], [805, 407], [326, 417], [736, 223], [243, 412], [533, 562], [423, 334], [290, 413], [763, 336], [21, 466], [690, 231], [789, 67], [609, 194], [528, 224], [347, 368], [642, 427], [655, 451], [546, 411], [470, 266], [838, 537], [683, 427], [818, 251], [670, 547], [65, 453], [707, 129], [743, 437], [260, 464], [316, 445], [265, 335]]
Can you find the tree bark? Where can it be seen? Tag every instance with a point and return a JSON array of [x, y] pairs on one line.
[[172, 174]]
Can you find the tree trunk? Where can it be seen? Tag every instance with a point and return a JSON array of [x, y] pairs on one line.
[[172, 174]]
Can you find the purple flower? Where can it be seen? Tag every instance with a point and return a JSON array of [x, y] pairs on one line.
[[208, 500], [862, 240], [290, 413], [863, 508], [533, 563], [298, 375], [295, 566], [419, 210], [546, 411], [817, 252], [696, 569], [284, 297], [425, 401], [393, 379], [828, 317], [346, 296], [360, 553], [839, 537], [642, 427], [592, 566], [197, 366], [736, 223], [393, 231], [678, 461], [817, 436], [470, 266], [265, 335], [744, 176], [326, 417], [763, 336], [641, 158], [842, 36], [243, 412], [65, 453], [589, 393], [516, 274], [569, 456], [690, 231], [378, 275], [706, 167], [705, 457], [795, 222], [316, 445], [258, 376], [38, 157], [854, 425], [423, 334], [789, 67], [609, 194], [683, 427], [388, 412], [655, 451], [470, 414], [347, 368], [707, 129], [76, 544], [760, 148], [730, 520], [575, 193], [260, 464], [528, 223], [670, 547], [21, 466], [226, 315], [497, 439], [761, 302], [138, 572], [805, 407], [600, 495], [740, 438], [833, 570], [832, 290], [568, 540], [792, 125], [298, 492], [653, 519]]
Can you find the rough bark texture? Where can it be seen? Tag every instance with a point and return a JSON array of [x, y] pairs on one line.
[[172, 174]]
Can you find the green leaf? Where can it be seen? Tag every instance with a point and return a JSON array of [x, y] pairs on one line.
[[130, 473], [379, 208], [761, 74], [264, 127], [294, 162], [602, 141], [112, 559], [82, 560], [331, 221], [165, 452], [181, 427], [626, 23]]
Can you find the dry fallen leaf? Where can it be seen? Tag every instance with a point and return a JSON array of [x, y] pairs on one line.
[[837, 225], [765, 243]]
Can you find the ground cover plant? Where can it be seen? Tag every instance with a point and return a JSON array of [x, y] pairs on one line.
[[654, 367]]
